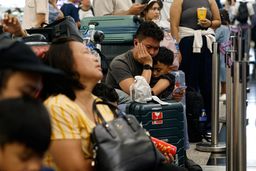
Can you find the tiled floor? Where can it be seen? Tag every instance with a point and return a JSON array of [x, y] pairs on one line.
[[217, 162]]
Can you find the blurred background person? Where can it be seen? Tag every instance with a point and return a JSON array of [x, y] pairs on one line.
[[12, 25], [116, 7], [69, 9], [85, 9], [54, 12], [222, 38], [36, 12], [165, 13]]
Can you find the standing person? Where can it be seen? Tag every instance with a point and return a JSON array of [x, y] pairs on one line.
[[165, 13], [222, 38], [69, 9], [242, 13], [253, 32], [85, 9], [229, 5], [36, 12], [195, 38], [219, 4], [54, 12], [116, 7], [25, 131]]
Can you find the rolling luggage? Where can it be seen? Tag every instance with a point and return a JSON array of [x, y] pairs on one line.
[[165, 122], [119, 32], [117, 29]]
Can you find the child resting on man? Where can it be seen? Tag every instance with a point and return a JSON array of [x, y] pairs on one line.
[[162, 67]]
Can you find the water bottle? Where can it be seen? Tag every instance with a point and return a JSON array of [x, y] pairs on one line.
[[202, 123], [203, 116], [89, 37]]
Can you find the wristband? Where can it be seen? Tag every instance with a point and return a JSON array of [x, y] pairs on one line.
[[177, 46], [147, 67]]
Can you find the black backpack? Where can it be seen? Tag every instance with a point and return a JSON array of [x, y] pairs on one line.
[[243, 13], [194, 106]]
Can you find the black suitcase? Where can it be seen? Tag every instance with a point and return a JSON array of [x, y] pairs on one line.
[[165, 122]]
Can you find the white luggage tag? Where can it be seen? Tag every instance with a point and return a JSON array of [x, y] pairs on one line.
[[156, 99]]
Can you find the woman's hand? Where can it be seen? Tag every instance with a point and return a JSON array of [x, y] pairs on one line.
[[205, 23], [178, 95], [12, 25], [136, 9]]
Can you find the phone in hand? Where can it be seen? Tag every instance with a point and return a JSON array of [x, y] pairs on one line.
[[179, 89]]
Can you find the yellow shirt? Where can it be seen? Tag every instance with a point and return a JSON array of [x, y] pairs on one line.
[[69, 121]]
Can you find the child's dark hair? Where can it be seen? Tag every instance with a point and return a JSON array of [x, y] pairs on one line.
[[25, 121], [106, 92], [149, 29], [224, 17], [164, 56]]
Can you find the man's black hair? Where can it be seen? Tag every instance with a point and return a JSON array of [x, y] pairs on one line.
[[25, 121], [164, 56], [149, 29]]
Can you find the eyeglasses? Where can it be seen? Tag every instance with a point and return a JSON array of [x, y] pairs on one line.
[[91, 51]]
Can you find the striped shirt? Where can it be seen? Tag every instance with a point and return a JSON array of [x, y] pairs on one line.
[[69, 121]]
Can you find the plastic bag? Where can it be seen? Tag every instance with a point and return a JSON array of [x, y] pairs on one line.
[[140, 90]]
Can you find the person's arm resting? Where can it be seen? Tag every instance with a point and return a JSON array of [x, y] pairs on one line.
[[68, 155], [66, 147]]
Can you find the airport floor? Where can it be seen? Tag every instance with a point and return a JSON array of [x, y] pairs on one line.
[[217, 161]]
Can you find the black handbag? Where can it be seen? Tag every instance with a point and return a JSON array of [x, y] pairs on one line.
[[122, 144], [65, 27]]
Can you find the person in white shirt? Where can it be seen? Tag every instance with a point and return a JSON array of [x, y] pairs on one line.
[[116, 7], [85, 9], [36, 13], [165, 17]]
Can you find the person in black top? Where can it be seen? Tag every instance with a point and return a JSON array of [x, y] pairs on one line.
[[162, 77]]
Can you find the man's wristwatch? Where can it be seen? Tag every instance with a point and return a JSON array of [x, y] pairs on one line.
[[147, 67]]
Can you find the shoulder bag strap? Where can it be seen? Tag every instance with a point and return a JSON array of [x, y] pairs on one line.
[[97, 112]]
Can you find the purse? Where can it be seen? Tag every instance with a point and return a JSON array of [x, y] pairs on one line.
[[122, 144]]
